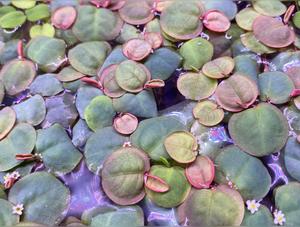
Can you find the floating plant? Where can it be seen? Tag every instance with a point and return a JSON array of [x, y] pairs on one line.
[[149, 112]]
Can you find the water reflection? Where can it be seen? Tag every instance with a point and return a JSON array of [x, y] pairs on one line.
[[85, 190]]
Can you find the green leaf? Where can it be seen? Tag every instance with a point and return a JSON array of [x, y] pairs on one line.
[[84, 96], [247, 173], [221, 206], [176, 180], [46, 85], [58, 153], [23, 4], [275, 87], [7, 218], [262, 217], [259, 131], [20, 140], [99, 113], [12, 19], [123, 175], [39, 12], [48, 53], [96, 24], [174, 23], [17, 75], [162, 63], [44, 197], [287, 199], [125, 216], [151, 133], [142, 104], [292, 157], [98, 147], [42, 30], [196, 52], [31, 111], [94, 55], [60, 109], [7, 121]]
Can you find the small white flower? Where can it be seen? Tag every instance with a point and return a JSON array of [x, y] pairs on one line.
[[18, 209], [16, 175], [252, 206], [279, 218], [7, 178]]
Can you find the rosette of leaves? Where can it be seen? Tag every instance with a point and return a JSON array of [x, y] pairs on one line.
[[123, 175], [259, 131], [173, 19], [151, 133], [17, 75], [94, 55], [220, 206], [287, 200], [44, 197], [179, 186], [96, 24], [248, 174], [48, 53]]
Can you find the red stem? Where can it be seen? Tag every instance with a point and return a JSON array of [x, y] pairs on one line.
[[92, 82], [22, 157], [20, 50], [295, 93]]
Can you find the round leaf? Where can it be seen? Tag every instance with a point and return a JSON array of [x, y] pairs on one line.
[[12, 19], [262, 217], [137, 49], [219, 67], [132, 76], [44, 197], [259, 131], [48, 53], [94, 55], [7, 218], [46, 85], [39, 12], [64, 17], [123, 175], [17, 75], [151, 133], [20, 140], [7, 121], [236, 93], [173, 19], [275, 87], [58, 153], [99, 113], [246, 17], [98, 147], [247, 173], [292, 157], [271, 8], [196, 86], [42, 30], [179, 186], [287, 200], [208, 113], [32, 110], [221, 206], [181, 146], [96, 24], [196, 52]]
